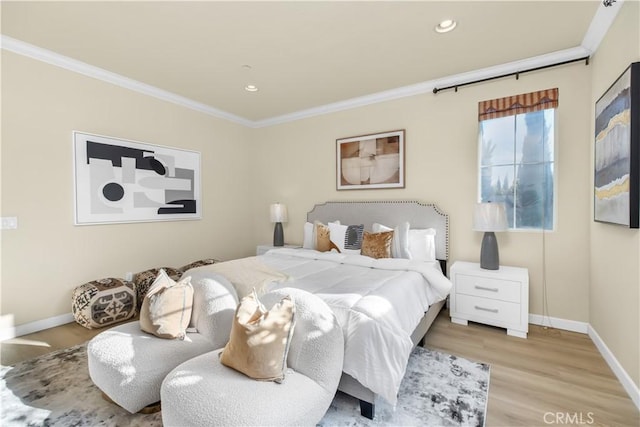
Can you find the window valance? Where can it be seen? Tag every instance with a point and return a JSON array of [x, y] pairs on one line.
[[518, 104]]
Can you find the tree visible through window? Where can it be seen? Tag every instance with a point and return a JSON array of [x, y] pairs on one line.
[[516, 164]]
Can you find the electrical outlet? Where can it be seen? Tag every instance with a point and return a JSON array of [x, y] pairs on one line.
[[9, 222], [129, 276]]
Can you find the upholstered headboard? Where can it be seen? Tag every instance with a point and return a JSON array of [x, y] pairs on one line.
[[389, 213]]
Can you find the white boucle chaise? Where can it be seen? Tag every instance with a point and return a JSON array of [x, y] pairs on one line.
[[128, 365], [203, 392]]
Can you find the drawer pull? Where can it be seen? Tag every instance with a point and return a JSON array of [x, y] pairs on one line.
[[484, 288], [492, 310]]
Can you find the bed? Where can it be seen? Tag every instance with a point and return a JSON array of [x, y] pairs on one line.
[[385, 306]]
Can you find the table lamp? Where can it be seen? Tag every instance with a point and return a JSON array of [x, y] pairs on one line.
[[278, 213], [489, 217]]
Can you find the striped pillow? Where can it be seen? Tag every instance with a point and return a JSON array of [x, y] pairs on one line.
[[348, 238]]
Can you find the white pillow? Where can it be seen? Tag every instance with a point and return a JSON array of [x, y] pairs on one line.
[[308, 238], [422, 244], [348, 238], [309, 235], [400, 243]]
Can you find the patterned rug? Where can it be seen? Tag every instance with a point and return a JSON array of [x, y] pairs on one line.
[[55, 390]]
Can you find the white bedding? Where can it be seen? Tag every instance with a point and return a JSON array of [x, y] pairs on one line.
[[378, 303]]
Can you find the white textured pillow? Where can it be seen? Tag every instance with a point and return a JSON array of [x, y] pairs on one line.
[[309, 240], [348, 238], [400, 243], [422, 244]]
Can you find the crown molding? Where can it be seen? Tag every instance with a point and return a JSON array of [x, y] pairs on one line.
[[428, 86], [600, 24], [22, 48], [597, 30]]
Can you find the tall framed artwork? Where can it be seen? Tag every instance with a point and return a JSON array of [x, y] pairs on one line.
[[117, 180], [370, 161], [617, 151]]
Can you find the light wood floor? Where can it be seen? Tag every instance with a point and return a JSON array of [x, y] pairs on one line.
[[552, 378]]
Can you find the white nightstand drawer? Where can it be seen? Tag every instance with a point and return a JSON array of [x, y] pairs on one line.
[[498, 312], [504, 290]]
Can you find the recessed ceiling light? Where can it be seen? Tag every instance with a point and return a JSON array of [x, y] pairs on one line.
[[251, 88], [445, 26]]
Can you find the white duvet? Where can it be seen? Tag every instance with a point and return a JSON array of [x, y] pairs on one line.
[[378, 302]]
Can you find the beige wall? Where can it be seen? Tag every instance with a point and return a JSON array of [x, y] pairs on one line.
[[296, 163], [47, 256], [614, 303]]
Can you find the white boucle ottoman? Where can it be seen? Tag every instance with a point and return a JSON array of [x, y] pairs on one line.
[[128, 365], [204, 392]]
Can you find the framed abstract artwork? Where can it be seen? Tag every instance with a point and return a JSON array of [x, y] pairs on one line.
[[370, 161], [117, 180], [617, 151]]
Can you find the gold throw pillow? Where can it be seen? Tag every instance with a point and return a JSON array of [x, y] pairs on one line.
[[323, 243], [377, 245], [166, 309], [259, 339]]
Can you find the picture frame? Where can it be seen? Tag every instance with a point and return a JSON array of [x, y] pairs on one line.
[[617, 151], [371, 161], [122, 181]]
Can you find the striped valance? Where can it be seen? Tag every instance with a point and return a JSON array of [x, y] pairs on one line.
[[518, 104]]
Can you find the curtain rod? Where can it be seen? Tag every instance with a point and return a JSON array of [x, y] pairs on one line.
[[515, 73]]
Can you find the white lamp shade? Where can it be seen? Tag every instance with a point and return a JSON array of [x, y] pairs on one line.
[[278, 212], [490, 217]]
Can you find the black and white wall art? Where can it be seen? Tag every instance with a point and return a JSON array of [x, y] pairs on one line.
[[117, 181]]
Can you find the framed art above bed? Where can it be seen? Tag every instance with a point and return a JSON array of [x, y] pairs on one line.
[[370, 161]]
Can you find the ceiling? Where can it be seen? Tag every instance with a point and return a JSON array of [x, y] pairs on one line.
[[301, 55]]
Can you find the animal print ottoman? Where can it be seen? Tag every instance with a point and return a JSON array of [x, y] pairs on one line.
[[199, 263], [103, 302]]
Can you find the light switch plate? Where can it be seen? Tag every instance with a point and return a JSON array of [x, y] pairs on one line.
[[9, 222]]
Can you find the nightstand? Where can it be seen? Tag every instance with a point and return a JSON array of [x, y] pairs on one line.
[[262, 249], [493, 297]]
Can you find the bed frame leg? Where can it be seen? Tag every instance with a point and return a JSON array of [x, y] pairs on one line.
[[367, 409]]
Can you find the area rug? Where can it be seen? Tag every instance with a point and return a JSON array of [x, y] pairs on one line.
[[55, 390]]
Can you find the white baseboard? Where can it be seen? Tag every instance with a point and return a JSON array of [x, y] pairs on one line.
[[630, 387], [10, 332], [555, 322], [585, 328]]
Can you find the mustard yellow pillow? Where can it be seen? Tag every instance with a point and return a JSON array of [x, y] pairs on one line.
[[259, 339], [166, 309], [377, 245]]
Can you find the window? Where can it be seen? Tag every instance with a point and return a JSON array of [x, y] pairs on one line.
[[516, 158]]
